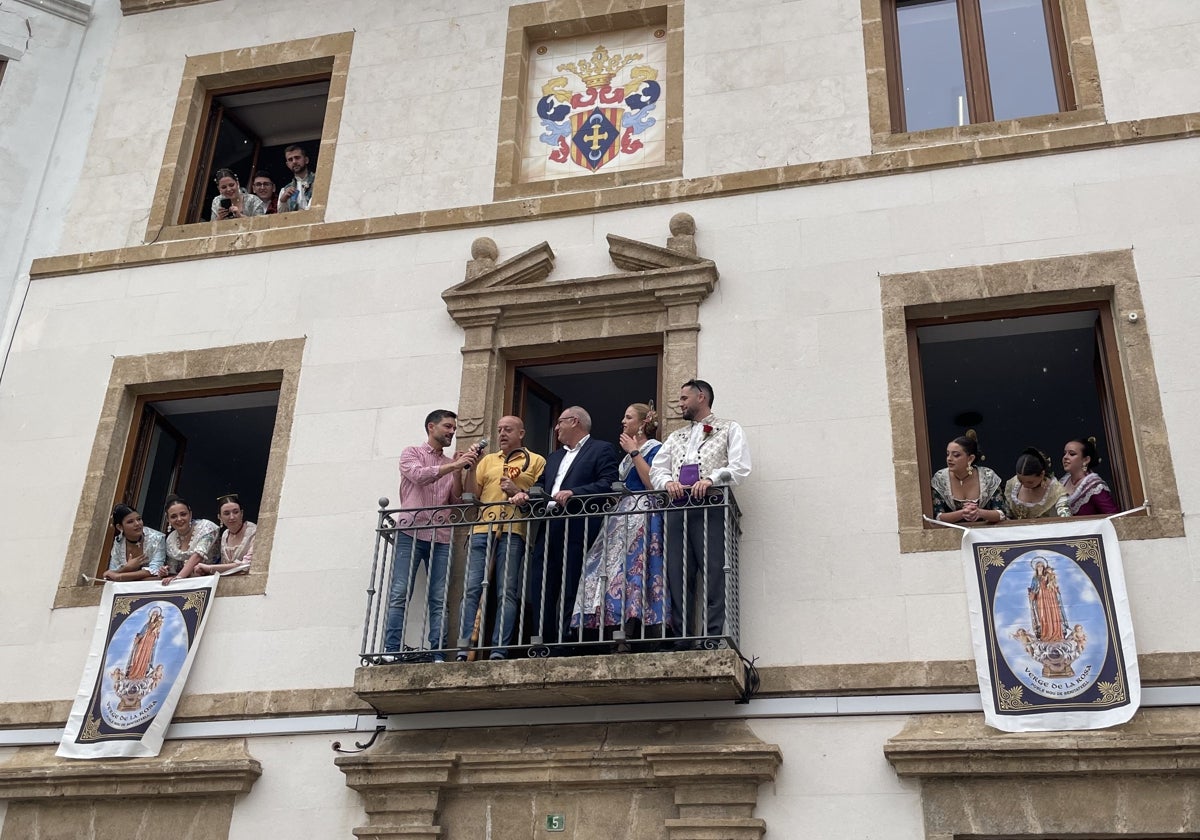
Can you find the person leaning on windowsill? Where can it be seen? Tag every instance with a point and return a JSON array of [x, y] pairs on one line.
[[233, 550], [190, 542], [241, 203], [965, 491], [138, 552], [1034, 492]]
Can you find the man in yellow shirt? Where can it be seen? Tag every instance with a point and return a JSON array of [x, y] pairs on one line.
[[495, 479]]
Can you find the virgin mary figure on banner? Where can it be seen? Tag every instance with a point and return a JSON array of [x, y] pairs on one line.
[[1050, 622], [146, 639]]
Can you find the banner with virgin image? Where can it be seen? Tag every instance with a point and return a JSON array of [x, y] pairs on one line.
[[145, 641], [1053, 639]]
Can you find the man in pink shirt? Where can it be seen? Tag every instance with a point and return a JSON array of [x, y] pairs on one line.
[[429, 480]]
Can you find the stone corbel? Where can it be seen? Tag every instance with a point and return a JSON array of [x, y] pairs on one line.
[[431, 784], [183, 768], [1138, 780], [716, 788], [188, 784]]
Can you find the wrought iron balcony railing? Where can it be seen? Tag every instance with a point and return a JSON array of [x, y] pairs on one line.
[[619, 572]]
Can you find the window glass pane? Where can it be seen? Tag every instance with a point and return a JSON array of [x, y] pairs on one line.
[[1018, 58], [931, 64], [1025, 381]]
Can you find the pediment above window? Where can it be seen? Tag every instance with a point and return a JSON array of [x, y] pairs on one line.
[[651, 279]]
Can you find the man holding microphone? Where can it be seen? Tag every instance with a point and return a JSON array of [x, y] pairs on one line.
[[428, 479]]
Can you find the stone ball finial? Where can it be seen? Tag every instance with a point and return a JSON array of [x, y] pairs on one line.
[[682, 224], [484, 248]]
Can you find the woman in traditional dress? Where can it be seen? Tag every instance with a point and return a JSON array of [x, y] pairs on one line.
[[236, 544], [1087, 494], [1045, 604], [622, 584], [190, 541], [138, 552], [1034, 492], [240, 203], [967, 491]]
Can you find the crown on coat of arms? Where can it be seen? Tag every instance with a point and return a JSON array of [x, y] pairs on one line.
[[602, 68]]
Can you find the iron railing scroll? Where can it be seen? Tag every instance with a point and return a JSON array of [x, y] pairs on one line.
[[609, 573]]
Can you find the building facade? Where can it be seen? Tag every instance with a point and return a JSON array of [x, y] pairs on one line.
[[871, 224]]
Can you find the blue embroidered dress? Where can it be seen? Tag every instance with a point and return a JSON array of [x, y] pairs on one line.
[[624, 567]]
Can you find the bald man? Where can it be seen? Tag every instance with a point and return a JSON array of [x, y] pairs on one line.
[[501, 535], [581, 467]]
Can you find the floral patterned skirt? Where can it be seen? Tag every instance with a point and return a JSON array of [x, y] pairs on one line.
[[623, 571]]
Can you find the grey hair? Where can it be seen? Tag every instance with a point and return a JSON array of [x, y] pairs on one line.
[[585, 419]]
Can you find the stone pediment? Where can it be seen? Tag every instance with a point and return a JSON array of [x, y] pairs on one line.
[[632, 255], [521, 287]]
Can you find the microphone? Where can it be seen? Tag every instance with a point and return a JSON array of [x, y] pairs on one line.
[[478, 448]]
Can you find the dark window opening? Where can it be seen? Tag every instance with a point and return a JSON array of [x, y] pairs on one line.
[[198, 445], [604, 387], [248, 130], [1024, 380], [954, 62]]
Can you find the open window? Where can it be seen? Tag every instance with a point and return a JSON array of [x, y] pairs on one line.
[[248, 129], [200, 445], [240, 110], [1024, 378], [603, 385]]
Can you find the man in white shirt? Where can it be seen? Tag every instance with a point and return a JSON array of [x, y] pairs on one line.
[[298, 193], [582, 466], [708, 451]]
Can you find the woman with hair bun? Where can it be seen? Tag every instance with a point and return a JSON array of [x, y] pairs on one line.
[[231, 201], [967, 491], [235, 547], [622, 586], [138, 552], [1087, 494], [1034, 492], [190, 542]]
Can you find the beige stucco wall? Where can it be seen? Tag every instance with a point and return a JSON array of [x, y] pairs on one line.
[[791, 338], [766, 85], [1147, 63]]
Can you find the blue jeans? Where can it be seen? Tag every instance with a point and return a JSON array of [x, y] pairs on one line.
[[508, 551], [410, 553]]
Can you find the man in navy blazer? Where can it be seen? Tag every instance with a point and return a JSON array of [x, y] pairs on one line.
[[582, 466]]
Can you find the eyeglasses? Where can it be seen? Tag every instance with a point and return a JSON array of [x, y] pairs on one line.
[[562, 420], [258, 184]]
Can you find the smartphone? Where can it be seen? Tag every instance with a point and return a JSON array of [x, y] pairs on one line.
[[226, 203]]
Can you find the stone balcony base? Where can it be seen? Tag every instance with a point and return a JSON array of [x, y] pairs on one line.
[[570, 681]]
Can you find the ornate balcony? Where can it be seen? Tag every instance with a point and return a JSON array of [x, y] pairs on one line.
[[559, 642]]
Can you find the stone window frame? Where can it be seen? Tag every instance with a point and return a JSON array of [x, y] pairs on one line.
[[1083, 77], [272, 362], [269, 65], [1104, 276], [551, 20]]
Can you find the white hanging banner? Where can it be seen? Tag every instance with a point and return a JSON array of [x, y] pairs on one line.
[[146, 637], [1050, 623]]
